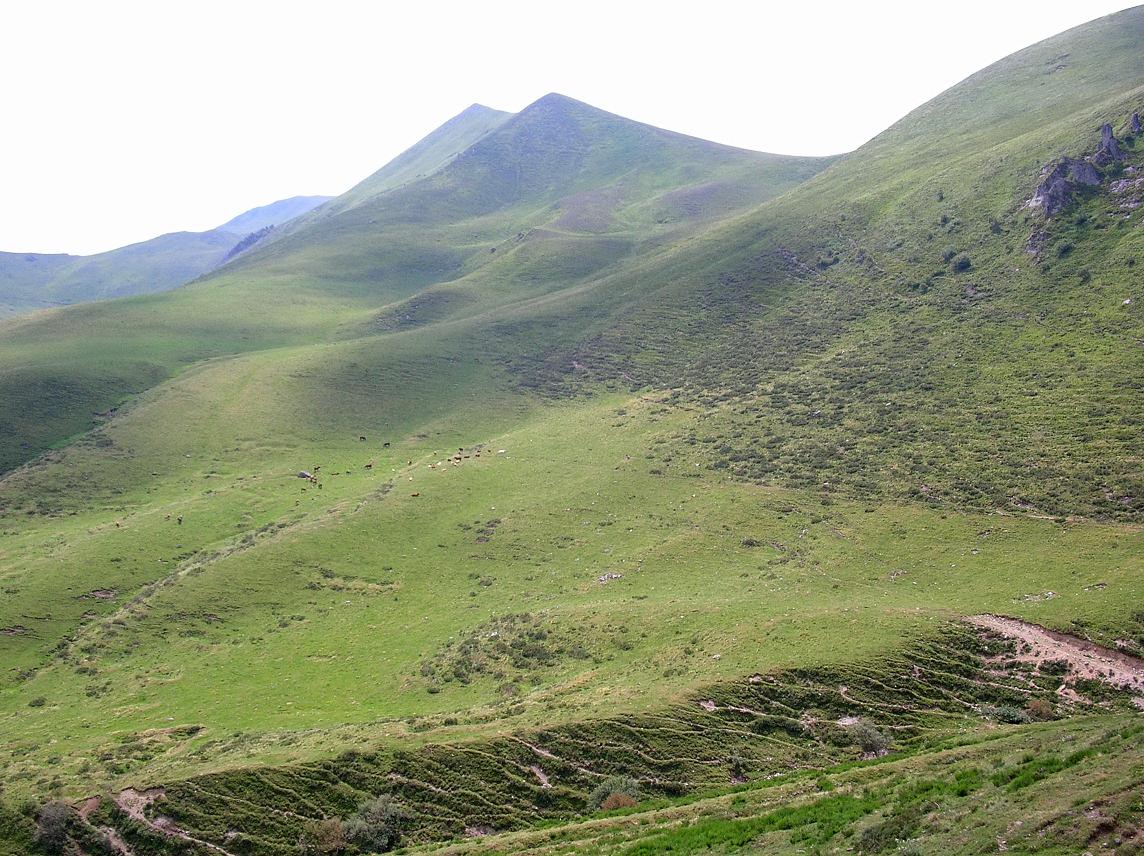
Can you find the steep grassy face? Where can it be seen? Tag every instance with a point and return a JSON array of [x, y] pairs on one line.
[[600, 421], [905, 303], [425, 157]]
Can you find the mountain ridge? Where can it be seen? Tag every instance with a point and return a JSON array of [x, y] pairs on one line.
[[31, 281]]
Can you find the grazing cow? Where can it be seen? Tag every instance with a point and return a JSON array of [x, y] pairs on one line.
[[179, 520]]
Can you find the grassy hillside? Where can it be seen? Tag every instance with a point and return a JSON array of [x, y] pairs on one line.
[[1060, 788], [32, 281], [344, 275], [427, 156], [604, 420]]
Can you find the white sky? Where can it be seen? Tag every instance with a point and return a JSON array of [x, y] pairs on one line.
[[126, 120]]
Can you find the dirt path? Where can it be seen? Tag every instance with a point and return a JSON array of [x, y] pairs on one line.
[[1086, 659], [541, 775]]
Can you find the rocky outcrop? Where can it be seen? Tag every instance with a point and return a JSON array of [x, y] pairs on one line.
[[1062, 178], [1059, 180], [248, 242], [1109, 151]]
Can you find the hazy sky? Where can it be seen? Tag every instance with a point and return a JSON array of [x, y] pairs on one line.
[[126, 120]]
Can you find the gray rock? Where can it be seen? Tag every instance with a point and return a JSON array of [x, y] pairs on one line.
[[1134, 124], [1109, 150], [1059, 181]]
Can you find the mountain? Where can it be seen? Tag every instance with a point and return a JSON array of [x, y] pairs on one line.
[[617, 196], [274, 214], [33, 280], [429, 154], [586, 486]]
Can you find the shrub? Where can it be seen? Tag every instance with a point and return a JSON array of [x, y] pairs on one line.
[[323, 836], [52, 826], [1005, 713], [962, 263], [1039, 708], [868, 737], [614, 786], [377, 825], [738, 765], [615, 801]]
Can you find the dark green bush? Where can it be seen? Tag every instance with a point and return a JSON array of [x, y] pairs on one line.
[[52, 821], [622, 785], [323, 836], [868, 737], [377, 825]]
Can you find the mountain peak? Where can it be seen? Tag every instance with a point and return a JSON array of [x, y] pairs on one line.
[[556, 98], [554, 102], [477, 109]]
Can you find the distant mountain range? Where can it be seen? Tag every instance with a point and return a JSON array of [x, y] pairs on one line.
[[31, 281]]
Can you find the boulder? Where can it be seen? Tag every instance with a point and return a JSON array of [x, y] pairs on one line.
[[1109, 150], [1059, 181], [1134, 124]]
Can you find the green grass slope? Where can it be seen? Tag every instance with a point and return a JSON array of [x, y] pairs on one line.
[[1062, 788], [33, 281], [427, 156], [889, 311], [603, 420]]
